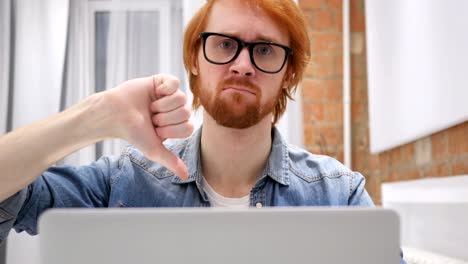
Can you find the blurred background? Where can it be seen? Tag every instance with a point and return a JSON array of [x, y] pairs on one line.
[[386, 91]]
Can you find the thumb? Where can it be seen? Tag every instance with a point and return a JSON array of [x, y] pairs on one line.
[[169, 160]]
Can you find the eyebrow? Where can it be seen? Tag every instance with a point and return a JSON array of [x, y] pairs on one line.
[[259, 37]]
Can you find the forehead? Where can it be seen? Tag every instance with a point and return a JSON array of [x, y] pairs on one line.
[[247, 22]]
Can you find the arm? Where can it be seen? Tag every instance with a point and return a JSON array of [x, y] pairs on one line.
[[142, 111]]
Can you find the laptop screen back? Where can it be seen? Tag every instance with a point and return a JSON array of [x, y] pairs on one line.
[[214, 235]]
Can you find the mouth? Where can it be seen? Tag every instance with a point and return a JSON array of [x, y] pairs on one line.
[[238, 89]]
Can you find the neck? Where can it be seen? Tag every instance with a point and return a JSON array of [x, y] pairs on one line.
[[233, 159]]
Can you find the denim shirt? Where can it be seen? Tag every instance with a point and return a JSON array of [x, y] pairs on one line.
[[291, 177]]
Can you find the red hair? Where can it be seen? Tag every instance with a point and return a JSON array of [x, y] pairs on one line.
[[285, 13]]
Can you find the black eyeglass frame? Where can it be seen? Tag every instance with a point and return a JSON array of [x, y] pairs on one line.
[[241, 45]]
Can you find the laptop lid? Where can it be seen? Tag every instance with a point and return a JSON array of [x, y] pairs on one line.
[[216, 235]]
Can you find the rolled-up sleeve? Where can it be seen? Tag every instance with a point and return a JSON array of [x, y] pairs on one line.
[[58, 187], [9, 210]]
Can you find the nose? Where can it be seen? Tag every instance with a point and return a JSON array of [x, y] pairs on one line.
[[242, 65]]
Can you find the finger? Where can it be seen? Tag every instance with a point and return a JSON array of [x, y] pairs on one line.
[[169, 103], [181, 130], [164, 157], [153, 149], [167, 86], [173, 117]]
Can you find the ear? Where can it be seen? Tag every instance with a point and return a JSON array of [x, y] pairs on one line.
[[194, 67], [194, 70], [287, 79]]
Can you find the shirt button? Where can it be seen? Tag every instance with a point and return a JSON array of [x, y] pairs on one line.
[[259, 205]]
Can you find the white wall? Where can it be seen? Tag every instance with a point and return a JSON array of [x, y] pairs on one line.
[[433, 214], [417, 54]]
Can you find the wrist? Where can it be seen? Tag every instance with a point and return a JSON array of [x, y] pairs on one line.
[[96, 117]]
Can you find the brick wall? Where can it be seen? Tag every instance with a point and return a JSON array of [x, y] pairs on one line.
[[441, 154], [322, 85]]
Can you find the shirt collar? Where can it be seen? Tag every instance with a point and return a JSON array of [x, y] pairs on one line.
[[277, 166]]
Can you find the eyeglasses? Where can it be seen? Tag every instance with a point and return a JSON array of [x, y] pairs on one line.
[[268, 57]]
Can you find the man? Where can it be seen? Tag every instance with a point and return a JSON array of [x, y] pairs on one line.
[[244, 60]]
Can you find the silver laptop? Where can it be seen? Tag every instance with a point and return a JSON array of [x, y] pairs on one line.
[[215, 235]]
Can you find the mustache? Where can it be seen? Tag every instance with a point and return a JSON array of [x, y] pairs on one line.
[[241, 83]]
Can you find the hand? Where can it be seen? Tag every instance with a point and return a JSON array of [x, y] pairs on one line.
[[148, 111]]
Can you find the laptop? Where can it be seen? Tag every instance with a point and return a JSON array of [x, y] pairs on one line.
[[220, 235]]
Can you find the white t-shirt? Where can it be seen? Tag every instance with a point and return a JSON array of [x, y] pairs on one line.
[[217, 200]]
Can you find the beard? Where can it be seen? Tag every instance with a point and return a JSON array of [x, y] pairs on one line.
[[236, 109]]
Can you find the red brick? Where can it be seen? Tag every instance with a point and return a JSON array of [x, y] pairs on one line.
[[358, 66], [313, 112], [322, 67], [330, 136], [313, 90], [359, 112], [339, 18], [358, 90], [402, 155], [460, 167], [393, 176], [411, 174], [357, 6], [330, 43], [440, 170], [357, 22], [334, 112], [395, 157], [323, 137], [311, 4], [335, 4], [322, 20], [426, 170], [404, 174], [364, 161], [407, 153], [357, 16], [339, 67], [340, 156], [384, 160], [374, 162], [358, 160], [439, 147], [334, 89], [458, 139], [360, 136], [308, 130], [308, 18], [373, 186]]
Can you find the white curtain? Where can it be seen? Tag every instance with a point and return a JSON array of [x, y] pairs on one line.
[[113, 41], [142, 43], [77, 75], [40, 30], [5, 8], [119, 65]]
